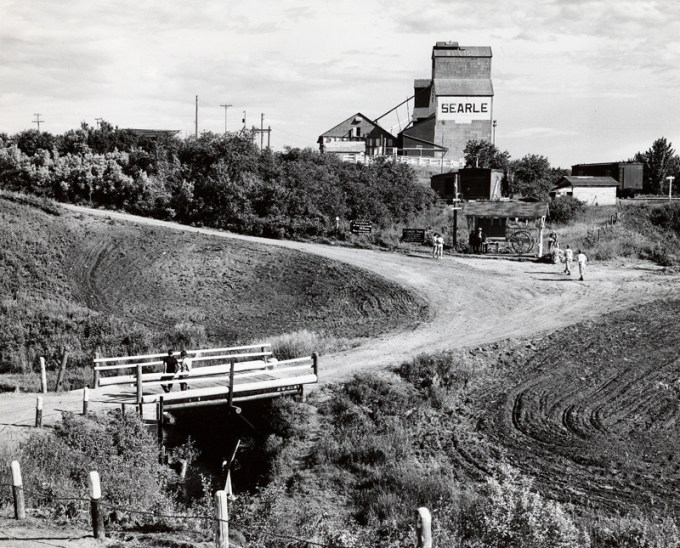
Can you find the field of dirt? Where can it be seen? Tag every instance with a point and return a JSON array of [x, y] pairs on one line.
[[238, 291], [593, 411]]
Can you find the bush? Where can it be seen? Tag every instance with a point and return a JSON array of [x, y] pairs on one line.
[[513, 515], [564, 209]]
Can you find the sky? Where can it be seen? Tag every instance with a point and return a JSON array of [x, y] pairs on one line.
[[575, 80]]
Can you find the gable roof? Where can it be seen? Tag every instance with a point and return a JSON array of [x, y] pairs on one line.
[[584, 181], [506, 209], [341, 129], [464, 87]]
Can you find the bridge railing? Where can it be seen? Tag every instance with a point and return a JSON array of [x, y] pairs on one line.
[[134, 366]]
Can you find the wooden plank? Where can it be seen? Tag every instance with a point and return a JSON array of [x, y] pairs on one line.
[[151, 356], [201, 358]]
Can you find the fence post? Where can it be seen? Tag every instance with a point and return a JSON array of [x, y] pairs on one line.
[[231, 384], [222, 515], [95, 379], [159, 419], [86, 399], [139, 384], [315, 363], [95, 505], [18, 491], [38, 412], [43, 376], [264, 356], [424, 528], [62, 370]]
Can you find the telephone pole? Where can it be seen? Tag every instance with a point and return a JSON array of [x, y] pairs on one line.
[[196, 119], [225, 107], [244, 119], [261, 131], [98, 121], [38, 120]]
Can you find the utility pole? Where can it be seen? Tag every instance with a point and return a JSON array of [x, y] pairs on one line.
[[269, 135], [225, 107], [261, 131], [244, 119], [670, 180], [38, 120], [493, 140], [196, 119]]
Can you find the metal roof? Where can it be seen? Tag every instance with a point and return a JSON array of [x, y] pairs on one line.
[[510, 210], [571, 180], [464, 87]]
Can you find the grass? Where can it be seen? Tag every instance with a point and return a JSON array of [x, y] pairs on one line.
[[304, 342]]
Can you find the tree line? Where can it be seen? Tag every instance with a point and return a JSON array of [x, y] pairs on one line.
[[218, 180]]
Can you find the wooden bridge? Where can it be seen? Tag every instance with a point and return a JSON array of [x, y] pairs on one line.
[[218, 376]]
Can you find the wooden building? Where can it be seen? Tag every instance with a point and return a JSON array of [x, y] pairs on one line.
[[509, 226], [356, 138], [628, 175]]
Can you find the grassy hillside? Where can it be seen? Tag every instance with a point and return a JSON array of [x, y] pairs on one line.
[[81, 284]]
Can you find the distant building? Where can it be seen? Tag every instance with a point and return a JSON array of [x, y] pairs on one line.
[[452, 107], [469, 184], [628, 175], [356, 138], [594, 191]]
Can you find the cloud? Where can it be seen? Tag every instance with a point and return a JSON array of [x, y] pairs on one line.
[[539, 132]]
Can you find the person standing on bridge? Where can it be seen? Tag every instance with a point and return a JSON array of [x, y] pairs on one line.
[[185, 363], [170, 366]]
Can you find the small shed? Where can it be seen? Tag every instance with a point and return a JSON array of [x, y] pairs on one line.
[[511, 226], [594, 191], [477, 183]]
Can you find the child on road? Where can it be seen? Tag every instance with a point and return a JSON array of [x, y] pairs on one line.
[[568, 260], [581, 259]]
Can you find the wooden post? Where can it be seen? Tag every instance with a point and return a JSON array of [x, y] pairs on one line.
[[315, 364], [95, 505], [222, 515], [161, 456], [38, 412], [303, 396], [86, 399], [139, 384], [183, 469], [62, 370], [231, 384], [159, 420], [264, 356], [122, 412], [541, 226], [43, 376], [424, 529], [18, 491], [95, 380]]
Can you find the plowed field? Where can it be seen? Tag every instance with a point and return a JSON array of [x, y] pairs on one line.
[[592, 411]]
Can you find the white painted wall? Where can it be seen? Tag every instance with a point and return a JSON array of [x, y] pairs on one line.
[[592, 196]]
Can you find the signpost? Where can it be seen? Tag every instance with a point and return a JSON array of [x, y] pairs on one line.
[[360, 226], [413, 235]]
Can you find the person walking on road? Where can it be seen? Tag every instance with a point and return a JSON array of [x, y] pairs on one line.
[[185, 363], [170, 366], [581, 259], [439, 246], [568, 260]]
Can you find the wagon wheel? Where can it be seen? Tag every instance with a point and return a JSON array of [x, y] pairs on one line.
[[522, 242]]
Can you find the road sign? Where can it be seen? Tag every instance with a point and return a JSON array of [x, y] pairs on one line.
[[360, 227], [413, 235]]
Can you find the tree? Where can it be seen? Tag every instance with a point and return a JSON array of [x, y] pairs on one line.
[[659, 162], [481, 153], [531, 177]]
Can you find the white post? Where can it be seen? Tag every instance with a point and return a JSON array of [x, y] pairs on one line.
[[18, 491], [43, 376], [222, 515], [38, 412], [424, 528], [95, 505], [86, 399]]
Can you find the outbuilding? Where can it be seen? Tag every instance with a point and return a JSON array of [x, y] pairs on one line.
[[509, 226], [594, 191]]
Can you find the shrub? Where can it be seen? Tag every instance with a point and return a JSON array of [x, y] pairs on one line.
[[564, 209], [514, 515]]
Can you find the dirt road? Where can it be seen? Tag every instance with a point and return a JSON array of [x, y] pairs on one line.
[[473, 301]]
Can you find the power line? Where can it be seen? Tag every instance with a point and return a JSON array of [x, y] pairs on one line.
[[38, 120], [225, 107]]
